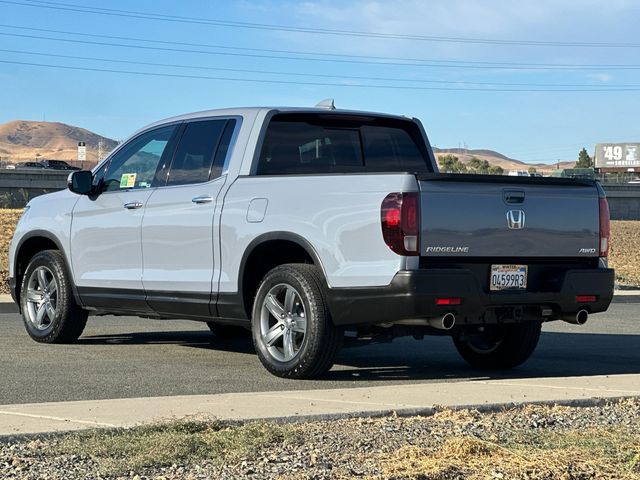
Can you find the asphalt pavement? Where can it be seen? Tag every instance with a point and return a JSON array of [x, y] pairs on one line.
[[127, 357]]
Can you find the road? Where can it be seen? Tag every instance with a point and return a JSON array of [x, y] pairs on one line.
[[121, 357]]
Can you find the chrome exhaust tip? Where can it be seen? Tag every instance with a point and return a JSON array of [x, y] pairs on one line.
[[447, 322], [580, 318]]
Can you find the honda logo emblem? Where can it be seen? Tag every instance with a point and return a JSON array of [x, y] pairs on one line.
[[515, 219]]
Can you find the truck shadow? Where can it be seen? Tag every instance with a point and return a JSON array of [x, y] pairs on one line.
[[435, 358], [185, 338], [558, 355]]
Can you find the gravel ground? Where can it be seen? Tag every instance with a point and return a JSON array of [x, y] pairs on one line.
[[532, 442]]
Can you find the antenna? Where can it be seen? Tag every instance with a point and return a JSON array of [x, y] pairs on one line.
[[327, 103]]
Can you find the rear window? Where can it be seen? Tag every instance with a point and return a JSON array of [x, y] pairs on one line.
[[323, 143], [201, 152]]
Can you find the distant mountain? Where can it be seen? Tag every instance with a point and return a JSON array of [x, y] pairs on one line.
[[23, 140], [483, 152], [498, 159]]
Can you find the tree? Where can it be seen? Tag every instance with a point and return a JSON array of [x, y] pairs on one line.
[[496, 170], [477, 165], [451, 164], [533, 170], [584, 160]]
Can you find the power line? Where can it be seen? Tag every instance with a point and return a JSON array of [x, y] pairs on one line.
[[324, 54], [331, 60], [323, 31], [323, 84], [316, 75]]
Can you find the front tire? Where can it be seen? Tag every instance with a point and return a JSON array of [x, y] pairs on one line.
[[49, 310], [292, 328], [496, 347]]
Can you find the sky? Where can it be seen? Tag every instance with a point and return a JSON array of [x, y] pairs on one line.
[[464, 68]]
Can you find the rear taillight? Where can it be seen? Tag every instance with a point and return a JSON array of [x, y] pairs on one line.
[[449, 301], [605, 227], [400, 219], [586, 298]]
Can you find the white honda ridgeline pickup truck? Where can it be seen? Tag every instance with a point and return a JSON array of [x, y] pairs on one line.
[[308, 227]]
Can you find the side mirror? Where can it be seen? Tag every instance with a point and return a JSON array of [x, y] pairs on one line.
[[80, 182]]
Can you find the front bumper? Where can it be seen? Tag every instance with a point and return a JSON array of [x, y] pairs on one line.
[[412, 295]]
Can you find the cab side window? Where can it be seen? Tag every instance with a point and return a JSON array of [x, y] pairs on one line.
[[135, 165], [201, 152]]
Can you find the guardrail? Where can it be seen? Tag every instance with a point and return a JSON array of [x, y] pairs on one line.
[[624, 201], [19, 186]]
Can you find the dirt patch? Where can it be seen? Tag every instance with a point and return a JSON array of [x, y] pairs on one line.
[[625, 251]]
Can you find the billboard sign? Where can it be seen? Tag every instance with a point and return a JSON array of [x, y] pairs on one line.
[[617, 155], [82, 151]]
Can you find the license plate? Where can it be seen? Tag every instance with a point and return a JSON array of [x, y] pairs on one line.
[[508, 277]]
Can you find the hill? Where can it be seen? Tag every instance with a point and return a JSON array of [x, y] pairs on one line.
[[498, 159], [23, 140]]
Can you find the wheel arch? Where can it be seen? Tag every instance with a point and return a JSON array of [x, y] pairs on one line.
[[31, 244], [265, 252]]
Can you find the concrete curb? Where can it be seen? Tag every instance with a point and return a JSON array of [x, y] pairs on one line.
[[23, 420], [325, 417], [5, 298]]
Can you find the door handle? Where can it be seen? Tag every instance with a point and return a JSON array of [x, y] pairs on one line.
[[132, 205], [202, 199]]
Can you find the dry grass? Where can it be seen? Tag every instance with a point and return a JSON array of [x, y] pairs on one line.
[[116, 452], [624, 257], [8, 221], [595, 453], [503, 450]]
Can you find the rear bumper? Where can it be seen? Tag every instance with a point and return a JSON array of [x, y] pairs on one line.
[[413, 294]]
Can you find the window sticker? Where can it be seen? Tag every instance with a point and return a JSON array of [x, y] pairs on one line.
[[128, 180]]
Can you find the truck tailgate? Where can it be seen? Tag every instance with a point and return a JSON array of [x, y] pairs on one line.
[[509, 217]]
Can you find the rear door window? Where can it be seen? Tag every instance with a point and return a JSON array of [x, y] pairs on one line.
[[312, 144], [196, 159]]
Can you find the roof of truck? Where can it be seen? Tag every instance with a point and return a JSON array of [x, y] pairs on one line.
[[252, 111]]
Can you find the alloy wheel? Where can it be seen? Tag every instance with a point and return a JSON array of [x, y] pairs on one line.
[[42, 299], [283, 322]]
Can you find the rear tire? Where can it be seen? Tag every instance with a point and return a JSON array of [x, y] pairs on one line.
[[228, 331], [49, 310], [498, 346], [291, 325]]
